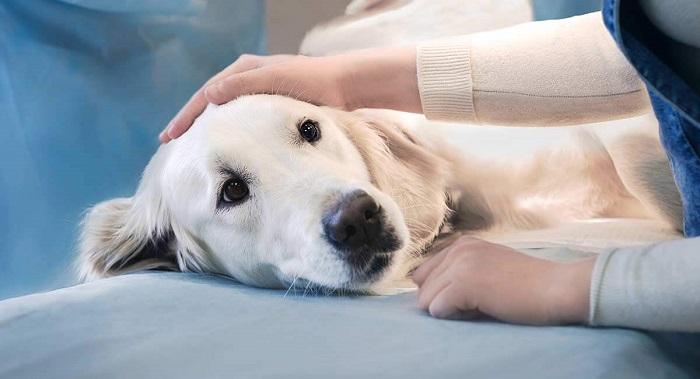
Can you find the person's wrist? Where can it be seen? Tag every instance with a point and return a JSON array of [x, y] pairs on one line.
[[379, 78], [573, 279], [347, 71], [401, 65]]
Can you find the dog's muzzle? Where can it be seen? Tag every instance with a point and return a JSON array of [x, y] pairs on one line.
[[356, 226]]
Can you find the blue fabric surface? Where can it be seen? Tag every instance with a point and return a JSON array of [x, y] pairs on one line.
[[676, 104], [85, 87], [171, 325], [555, 9]]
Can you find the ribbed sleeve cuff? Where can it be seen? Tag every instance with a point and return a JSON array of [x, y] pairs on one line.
[[445, 80], [597, 285]]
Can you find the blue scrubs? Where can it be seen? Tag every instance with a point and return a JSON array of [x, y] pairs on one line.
[[676, 104], [85, 88]]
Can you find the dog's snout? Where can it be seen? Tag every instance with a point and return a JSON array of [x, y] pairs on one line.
[[354, 222], [357, 228]]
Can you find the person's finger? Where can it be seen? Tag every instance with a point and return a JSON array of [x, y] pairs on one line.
[[434, 282], [183, 120], [245, 63], [430, 289], [198, 103], [163, 136], [424, 270], [279, 75], [250, 82], [449, 304]]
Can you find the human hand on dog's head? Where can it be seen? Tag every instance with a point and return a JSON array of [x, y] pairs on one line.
[[378, 78], [198, 102], [472, 277]]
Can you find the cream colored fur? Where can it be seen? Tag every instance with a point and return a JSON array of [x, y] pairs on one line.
[[377, 23], [432, 179], [425, 183]]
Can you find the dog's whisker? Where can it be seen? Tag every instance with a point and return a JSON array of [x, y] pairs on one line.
[[292, 89], [300, 94], [272, 85], [291, 285], [308, 283]]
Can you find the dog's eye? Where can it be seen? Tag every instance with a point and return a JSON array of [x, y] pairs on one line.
[[310, 131], [234, 191]]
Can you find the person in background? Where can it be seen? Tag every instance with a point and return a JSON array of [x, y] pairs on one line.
[[83, 84], [561, 72]]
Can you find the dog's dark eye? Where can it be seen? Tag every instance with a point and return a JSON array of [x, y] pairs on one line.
[[234, 191], [310, 131]]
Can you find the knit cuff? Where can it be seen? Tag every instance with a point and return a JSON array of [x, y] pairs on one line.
[[445, 81], [597, 285]]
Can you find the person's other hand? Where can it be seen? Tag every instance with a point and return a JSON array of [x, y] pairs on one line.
[[472, 277], [378, 78]]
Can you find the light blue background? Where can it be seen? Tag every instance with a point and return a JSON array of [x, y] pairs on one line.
[[85, 88]]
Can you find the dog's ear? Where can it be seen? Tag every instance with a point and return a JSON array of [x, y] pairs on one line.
[[117, 239], [138, 233]]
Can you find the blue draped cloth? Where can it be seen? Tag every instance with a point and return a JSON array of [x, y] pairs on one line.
[[85, 87]]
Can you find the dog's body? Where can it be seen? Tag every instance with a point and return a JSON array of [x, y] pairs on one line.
[[375, 23], [279, 193]]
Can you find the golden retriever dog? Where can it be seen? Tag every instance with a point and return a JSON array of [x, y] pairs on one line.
[[275, 192]]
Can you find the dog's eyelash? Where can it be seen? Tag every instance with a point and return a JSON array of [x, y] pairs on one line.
[[298, 139], [221, 205], [226, 174]]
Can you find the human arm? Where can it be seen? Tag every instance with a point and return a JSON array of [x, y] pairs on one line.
[[372, 78], [542, 73], [653, 287], [546, 73]]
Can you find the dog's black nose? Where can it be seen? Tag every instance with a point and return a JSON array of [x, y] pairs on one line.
[[354, 222]]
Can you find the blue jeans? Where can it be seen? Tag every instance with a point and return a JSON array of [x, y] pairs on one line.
[[676, 104]]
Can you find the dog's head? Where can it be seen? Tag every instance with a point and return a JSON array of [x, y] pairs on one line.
[[269, 190]]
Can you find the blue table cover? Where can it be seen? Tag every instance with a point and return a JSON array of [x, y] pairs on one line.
[[173, 325]]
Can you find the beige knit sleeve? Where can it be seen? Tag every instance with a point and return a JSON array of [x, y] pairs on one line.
[[653, 287], [558, 72]]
